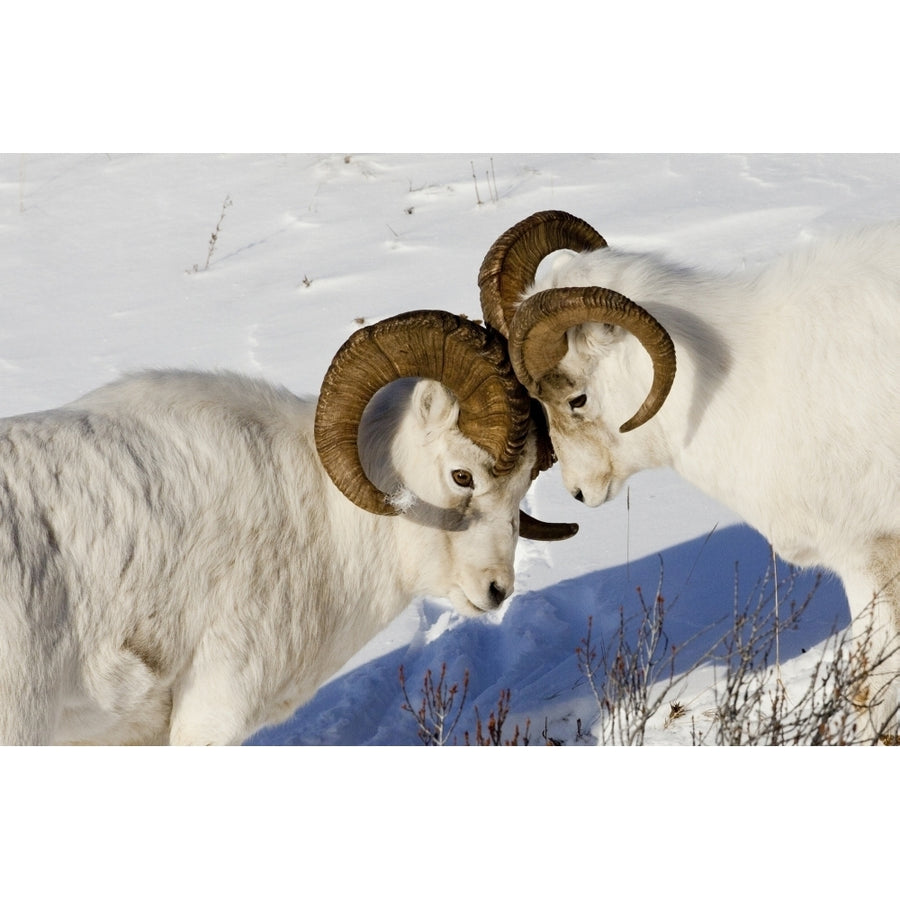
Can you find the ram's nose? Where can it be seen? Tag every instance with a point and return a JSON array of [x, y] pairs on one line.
[[497, 586], [498, 592], [593, 494]]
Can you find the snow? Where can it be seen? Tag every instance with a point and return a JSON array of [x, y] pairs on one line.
[[103, 269]]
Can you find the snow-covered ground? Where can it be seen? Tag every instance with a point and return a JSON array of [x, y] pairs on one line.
[[105, 266]]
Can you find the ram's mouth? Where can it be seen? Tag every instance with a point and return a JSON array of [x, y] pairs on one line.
[[463, 605], [613, 489]]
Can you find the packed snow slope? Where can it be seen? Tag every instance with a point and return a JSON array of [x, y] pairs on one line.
[[265, 264]]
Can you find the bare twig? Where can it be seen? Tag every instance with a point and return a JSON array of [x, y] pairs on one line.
[[434, 720], [215, 235], [475, 179], [635, 674]]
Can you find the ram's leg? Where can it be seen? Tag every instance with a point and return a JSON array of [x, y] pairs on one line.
[[27, 711], [29, 682], [874, 597], [121, 699], [211, 705]]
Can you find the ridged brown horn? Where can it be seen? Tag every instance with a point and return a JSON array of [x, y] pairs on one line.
[[467, 359], [510, 265], [538, 338]]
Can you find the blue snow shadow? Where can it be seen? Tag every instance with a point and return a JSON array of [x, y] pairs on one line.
[[532, 650]]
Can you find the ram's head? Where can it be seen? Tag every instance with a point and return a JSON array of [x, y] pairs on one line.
[[487, 405], [563, 347]]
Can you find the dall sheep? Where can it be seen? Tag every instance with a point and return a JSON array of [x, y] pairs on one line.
[[785, 404], [186, 557]]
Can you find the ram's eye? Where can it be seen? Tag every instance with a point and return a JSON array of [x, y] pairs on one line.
[[578, 402], [463, 478]]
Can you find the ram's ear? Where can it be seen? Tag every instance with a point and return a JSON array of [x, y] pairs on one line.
[[595, 338], [558, 262], [434, 405]]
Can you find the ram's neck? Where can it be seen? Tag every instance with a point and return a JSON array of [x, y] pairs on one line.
[[710, 419], [351, 556], [353, 588]]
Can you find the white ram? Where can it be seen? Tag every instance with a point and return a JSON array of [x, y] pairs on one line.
[[785, 404], [177, 566]]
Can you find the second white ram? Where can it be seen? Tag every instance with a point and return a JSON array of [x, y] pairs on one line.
[[784, 404]]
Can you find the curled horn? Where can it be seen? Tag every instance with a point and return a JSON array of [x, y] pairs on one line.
[[535, 530], [538, 339], [510, 265], [468, 360]]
